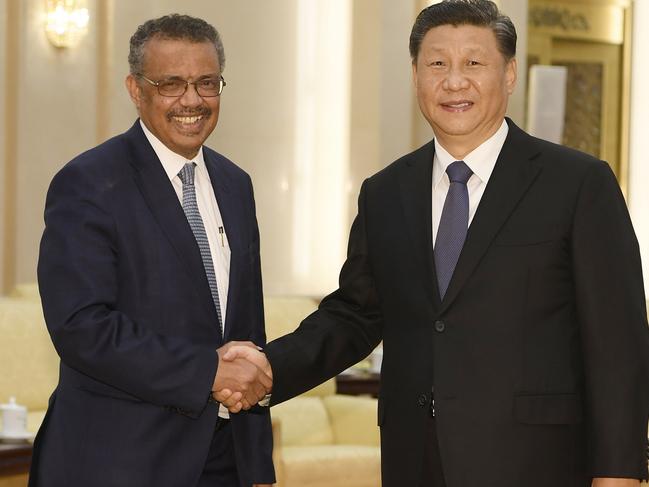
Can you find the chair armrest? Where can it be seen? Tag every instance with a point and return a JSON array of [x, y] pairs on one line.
[[278, 460], [353, 419]]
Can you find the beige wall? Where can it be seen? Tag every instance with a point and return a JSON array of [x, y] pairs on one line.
[[65, 105], [365, 109], [397, 100], [639, 146], [382, 100], [517, 11], [3, 73], [48, 116], [258, 129], [56, 120]]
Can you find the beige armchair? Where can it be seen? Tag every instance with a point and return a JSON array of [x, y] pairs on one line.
[[321, 438], [28, 361]]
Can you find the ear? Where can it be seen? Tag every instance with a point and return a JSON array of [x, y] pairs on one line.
[[511, 74], [414, 74], [134, 89]]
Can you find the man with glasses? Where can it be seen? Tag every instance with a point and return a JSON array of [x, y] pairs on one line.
[[149, 264]]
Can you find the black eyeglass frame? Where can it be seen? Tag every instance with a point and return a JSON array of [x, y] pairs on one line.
[[222, 85]]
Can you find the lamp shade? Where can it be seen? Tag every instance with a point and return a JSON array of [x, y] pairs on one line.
[[66, 21]]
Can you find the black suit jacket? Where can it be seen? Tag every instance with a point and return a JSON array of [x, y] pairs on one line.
[[129, 309], [538, 352]]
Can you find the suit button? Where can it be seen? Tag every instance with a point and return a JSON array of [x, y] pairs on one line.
[[422, 400], [440, 326]]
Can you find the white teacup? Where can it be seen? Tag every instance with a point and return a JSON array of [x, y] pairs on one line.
[[14, 419]]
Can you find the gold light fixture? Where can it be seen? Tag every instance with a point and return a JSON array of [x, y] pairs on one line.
[[66, 21]]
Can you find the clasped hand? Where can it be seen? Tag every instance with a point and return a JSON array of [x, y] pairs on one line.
[[243, 377]]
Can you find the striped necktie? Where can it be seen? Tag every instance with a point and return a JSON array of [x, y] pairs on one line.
[[453, 224], [190, 206]]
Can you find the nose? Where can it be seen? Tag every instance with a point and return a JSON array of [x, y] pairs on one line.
[[191, 98], [456, 79]]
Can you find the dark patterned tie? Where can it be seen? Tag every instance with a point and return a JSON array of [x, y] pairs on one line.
[[453, 224], [190, 206]]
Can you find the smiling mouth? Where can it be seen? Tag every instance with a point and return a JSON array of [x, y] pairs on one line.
[[187, 120], [457, 106]]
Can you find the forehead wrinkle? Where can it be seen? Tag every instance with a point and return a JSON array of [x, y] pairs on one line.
[[476, 49], [178, 54], [200, 76]]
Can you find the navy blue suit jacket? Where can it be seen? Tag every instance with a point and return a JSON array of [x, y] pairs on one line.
[[129, 310]]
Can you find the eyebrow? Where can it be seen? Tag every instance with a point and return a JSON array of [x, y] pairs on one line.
[[202, 76], [466, 50]]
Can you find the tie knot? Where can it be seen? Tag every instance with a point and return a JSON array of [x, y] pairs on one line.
[[186, 174], [458, 172]]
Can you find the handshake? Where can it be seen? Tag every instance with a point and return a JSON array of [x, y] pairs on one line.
[[243, 377]]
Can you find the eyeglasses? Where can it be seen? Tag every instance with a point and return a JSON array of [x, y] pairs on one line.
[[205, 87]]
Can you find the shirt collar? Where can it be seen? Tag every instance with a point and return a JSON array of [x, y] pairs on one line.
[[481, 160], [172, 162]]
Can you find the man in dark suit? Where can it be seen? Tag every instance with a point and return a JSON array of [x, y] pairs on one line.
[[511, 309], [149, 263]]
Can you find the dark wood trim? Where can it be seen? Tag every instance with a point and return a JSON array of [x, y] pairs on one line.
[[359, 384], [15, 458]]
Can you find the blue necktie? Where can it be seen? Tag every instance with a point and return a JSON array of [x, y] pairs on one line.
[[453, 225], [190, 206]]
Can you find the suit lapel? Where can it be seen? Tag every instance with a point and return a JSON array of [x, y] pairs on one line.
[[232, 219], [416, 185], [512, 176], [162, 200]]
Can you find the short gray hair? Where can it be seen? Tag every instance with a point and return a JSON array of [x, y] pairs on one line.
[[481, 13], [174, 26]]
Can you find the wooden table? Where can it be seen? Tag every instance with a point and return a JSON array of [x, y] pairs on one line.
[[365, 383], [15, 458]]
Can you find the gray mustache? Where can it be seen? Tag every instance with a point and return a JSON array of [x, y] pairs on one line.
[[194, 113]]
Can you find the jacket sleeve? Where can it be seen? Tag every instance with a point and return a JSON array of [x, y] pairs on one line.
[[344, 329], [256, 426], [77, 274], [612, 317]]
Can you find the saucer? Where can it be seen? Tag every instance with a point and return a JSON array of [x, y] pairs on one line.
[[16, 437]]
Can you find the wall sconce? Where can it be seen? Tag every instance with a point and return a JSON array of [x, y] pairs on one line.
[[66, 21]]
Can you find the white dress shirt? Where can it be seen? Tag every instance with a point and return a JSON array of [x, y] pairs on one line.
[[209, 210], [481, 161], [207, 206]]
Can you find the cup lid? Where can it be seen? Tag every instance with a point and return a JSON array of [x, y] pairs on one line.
[[12, 404]]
